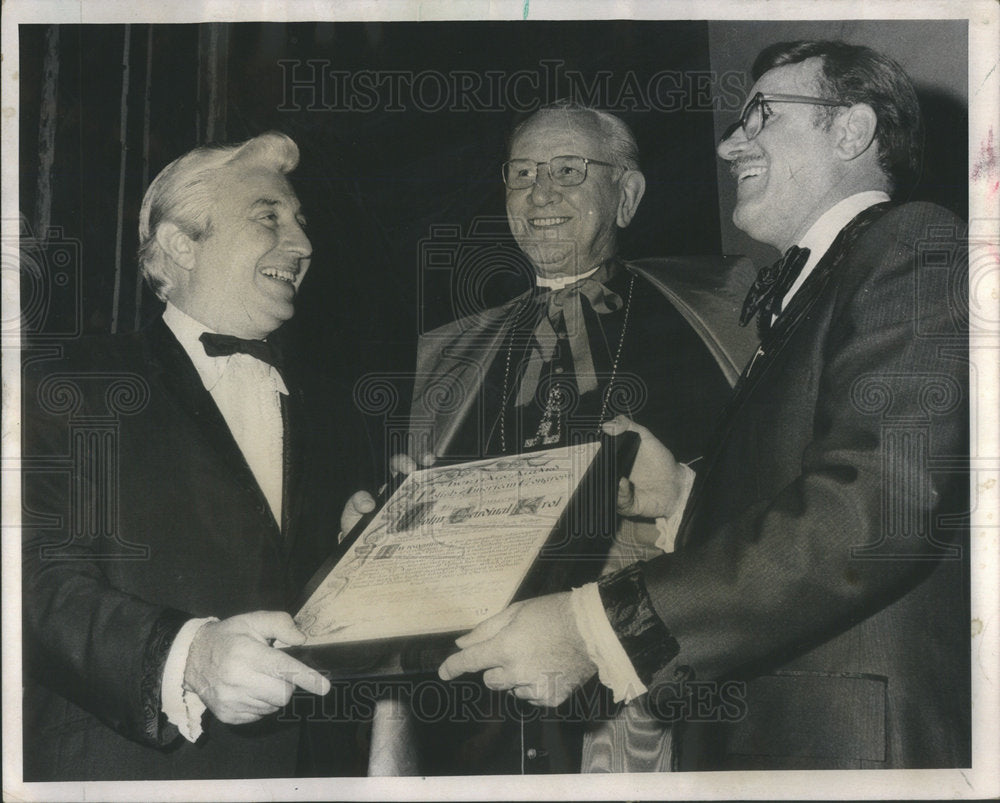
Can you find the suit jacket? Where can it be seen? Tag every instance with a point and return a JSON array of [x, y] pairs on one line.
[[815, 613], [141, 512]]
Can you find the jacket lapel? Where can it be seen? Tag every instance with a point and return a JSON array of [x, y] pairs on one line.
[[781, 333], [182, 383], [292, 411], [452, 363]]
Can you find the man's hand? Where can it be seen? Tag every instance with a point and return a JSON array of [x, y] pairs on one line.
[[654, 487], [532, 648], [359, 504], [235, 672], [404, 464], [362, 502]]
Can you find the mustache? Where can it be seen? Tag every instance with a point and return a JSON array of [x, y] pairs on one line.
[[736, 167]]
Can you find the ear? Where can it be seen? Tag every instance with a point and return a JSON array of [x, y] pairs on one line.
[[855, 131], [176, 244], [633, 185]]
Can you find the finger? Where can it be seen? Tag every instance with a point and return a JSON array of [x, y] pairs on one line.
[[237, 717], [626, 497], [356, 506], [487, 629], [427, 459], [496, 679], [402, 464], [268, 692], [363, 502], [294, 671], [469, 660], [276, 625], [616, 426], [251, 709], [631, 426]]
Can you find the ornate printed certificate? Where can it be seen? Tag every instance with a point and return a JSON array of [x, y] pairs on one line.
[[450, 548]]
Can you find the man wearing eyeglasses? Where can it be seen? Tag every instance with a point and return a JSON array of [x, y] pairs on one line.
[[576, 349], [814, 613], [596, 337]]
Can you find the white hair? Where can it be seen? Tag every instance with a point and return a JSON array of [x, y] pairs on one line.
[[615, 131], [183, 194]]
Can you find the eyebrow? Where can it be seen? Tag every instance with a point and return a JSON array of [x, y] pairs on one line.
[[266, 202], [273, 202]]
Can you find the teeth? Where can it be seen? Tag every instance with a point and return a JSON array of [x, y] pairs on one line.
[[278, 273], [548, 221], [750, 172]]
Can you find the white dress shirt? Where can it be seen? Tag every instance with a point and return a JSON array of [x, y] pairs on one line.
[[248, 394], [613, 665]]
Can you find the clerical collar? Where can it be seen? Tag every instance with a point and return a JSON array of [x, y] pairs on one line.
[[187, 330], [824, 231], [559, 282]]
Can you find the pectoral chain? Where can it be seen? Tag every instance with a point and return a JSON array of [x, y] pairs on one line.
[[549, 430]]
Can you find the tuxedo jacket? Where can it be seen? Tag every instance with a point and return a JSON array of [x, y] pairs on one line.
[[815, 612], [140, 513]]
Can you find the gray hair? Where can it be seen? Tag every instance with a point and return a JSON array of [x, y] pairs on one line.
[[183, 194], [619, 137]]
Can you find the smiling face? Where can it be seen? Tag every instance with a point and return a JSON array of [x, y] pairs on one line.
[[249, 266], [565, 230], [789, 174]]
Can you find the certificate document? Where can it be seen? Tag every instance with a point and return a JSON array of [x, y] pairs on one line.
[[449, 549]]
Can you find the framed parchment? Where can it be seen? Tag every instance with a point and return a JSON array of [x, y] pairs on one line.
[[315, 60], [454, 545]]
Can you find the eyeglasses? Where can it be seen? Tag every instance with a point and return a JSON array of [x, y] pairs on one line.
[[756, 112], [566, 171]]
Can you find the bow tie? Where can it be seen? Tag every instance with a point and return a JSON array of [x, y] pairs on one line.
[[226, 345], [771, 286], [565, 304]]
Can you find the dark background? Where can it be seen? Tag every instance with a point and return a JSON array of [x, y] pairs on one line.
[[405, 204], [373, 182]]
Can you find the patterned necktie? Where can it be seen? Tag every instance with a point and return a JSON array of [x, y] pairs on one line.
[[770, 288], [565, 304], [226, 345]]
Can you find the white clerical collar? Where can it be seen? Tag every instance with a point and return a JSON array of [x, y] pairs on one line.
[[559, 282], [824, 231], [188, 332]]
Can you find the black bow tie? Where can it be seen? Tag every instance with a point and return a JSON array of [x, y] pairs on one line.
[[225, 345], [771, 286]]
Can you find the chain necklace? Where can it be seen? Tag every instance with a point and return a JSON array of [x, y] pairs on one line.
[[550, 427]]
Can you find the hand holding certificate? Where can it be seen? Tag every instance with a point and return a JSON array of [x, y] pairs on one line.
[[456, 544]]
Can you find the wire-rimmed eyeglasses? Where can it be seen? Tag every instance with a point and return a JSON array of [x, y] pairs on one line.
[[566, 171], [756, 112]]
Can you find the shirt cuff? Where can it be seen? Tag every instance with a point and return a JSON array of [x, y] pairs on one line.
[[614, 669], [181, 706], [667, 526]]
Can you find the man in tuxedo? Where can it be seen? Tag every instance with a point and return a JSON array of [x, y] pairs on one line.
[[815, 611], [595, 337], [161, 557]]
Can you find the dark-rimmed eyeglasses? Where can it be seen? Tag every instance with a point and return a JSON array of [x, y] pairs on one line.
[[566, 171], [756, 112]]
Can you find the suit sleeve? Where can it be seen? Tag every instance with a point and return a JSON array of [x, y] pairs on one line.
[[783, 573], [95, 645]]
